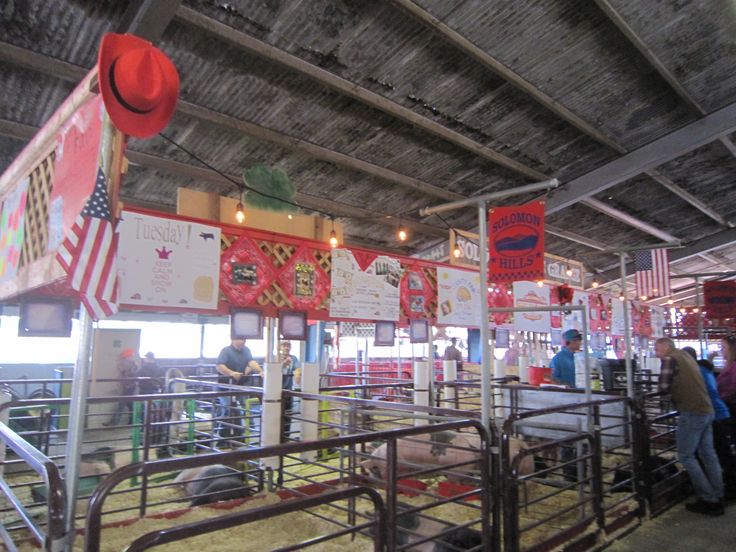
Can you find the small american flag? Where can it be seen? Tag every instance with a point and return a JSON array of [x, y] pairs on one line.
[[89, 254], [652, 273]]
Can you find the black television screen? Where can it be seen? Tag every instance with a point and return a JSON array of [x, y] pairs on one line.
[[385, 335], [246, 324], [45, 317], [293, 325]]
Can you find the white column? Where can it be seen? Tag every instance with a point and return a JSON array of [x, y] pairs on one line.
[[499, 368], [523, 369], [271, 411], [421, 389], [449, 369], [310, 408]]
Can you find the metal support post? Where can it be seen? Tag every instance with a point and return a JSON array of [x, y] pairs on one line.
[[627, 330], [77, 411], [487, 408]]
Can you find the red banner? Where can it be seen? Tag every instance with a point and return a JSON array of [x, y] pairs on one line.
[[720, 299], [516, 243]]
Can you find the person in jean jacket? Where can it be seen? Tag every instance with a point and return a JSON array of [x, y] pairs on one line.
[[680, 377], [727, 378]]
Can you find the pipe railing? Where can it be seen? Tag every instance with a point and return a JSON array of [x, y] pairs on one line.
[[53, 536], [146, 469], [209, 525]]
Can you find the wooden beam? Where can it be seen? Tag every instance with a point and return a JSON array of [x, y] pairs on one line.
[[466, 46], [148, 18], [60, 69], [26, 132], [350, 89], [491, 63], [317, 152], [677, 88]]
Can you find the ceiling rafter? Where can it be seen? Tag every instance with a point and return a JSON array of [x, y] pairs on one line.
[[148, 18], [350, 89], [687, 99], [552, 105], [20, 131]]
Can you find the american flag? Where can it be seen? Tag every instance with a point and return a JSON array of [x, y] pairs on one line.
[[652, 273], [89, 254]]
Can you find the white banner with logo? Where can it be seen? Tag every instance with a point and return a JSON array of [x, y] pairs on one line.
[[372, 294], [168, 262], [529, 294], [458, 297]]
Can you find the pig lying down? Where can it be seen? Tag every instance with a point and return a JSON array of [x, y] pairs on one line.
[[217, 483], [444, 448], [442, 536]]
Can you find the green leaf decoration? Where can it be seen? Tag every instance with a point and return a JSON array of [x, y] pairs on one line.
[[272, 181]]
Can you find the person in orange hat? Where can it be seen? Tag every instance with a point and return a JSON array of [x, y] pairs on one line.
[[127, 368]]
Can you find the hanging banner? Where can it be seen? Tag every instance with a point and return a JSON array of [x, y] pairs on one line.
[[658, 321], [12, 223], [720, 299], [516, 243], [458, 297], [168, 262], [370, 294], [618, 326], [75, 169], [529, 294]]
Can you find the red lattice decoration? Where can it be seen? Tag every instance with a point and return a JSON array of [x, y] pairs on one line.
[[321, 280], [500, 297], [245, 251]]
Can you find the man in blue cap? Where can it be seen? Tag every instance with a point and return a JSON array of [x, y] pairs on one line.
[[563, 363]]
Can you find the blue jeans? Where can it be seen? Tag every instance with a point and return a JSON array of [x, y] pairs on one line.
[[695, 435]]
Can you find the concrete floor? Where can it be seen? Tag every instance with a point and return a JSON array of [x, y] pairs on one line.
[[681, 531]]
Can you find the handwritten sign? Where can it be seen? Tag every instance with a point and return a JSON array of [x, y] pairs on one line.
[[167, 262], [371, 294]]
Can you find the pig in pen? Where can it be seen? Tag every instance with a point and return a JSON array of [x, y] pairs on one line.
[[209, 484]]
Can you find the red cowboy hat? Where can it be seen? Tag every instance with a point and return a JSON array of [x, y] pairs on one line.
[[138, 82]]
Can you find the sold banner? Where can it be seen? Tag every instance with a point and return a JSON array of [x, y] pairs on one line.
[[516, 243], [720, 299]]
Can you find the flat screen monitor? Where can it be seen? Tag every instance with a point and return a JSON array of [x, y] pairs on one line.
[[246, 324], [419, 331], [293, 325], [385, 334], [45, 317]]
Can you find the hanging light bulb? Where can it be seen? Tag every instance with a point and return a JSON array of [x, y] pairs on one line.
[[643, 297], [621, 297], [595, 284], [456, 252], [671, 302], [540, 283], [240, 213], [402, 234], [696, 310], [568, 272], [333, 236]]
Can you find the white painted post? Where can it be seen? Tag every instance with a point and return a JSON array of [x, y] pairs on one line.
[[310, 409], [449, 369], [271, 411], [421, 389]]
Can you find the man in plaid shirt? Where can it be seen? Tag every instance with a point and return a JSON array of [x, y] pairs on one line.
[[680, 378]]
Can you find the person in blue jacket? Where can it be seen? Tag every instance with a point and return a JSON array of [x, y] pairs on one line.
[[723, 433], [563, 363]]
